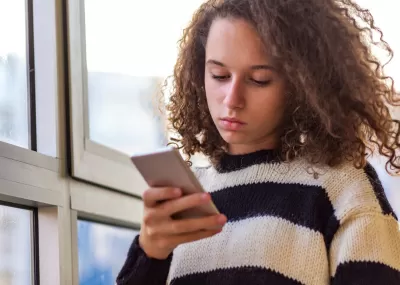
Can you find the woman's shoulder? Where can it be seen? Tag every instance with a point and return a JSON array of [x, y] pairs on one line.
[[354, 191], [350, 190]]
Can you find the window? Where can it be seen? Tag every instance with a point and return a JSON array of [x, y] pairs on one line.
[[123, 77], [16, 246], [102, 251], [117, 76], [15, 80], [32, 159]]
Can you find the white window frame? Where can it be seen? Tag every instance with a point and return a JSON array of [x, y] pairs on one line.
[[92, 161], [34, 179], [30, 176]]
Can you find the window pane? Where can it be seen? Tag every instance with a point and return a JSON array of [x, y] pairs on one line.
[[13, 73], [15, 246], [128, 57], [102, 252]]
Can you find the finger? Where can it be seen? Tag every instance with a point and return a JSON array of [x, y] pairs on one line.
[[177, 227], [153, 196], [186, 202], [185, 238]]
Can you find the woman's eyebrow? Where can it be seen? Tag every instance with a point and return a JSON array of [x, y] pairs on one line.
[[255, 67]]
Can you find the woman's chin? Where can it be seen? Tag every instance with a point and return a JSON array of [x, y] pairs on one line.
[[233, 137]]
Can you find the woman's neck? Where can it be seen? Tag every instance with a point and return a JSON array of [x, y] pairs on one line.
[[232, 162], [238, 149]]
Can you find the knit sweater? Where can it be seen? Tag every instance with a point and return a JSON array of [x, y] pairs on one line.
[[286, 226]]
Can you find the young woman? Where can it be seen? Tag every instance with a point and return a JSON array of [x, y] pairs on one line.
[[286, 99]]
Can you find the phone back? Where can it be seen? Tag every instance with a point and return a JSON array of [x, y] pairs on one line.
[[166, 168]]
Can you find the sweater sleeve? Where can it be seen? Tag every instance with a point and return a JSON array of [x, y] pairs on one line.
[[366, 250], [139, 269]]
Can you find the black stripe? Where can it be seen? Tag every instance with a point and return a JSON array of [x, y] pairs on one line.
[[365, 273], [236, 276], [379, 191], [140, 269], [308, 206], [232, 162]]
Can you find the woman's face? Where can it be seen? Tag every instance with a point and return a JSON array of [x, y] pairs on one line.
[[245, 93]]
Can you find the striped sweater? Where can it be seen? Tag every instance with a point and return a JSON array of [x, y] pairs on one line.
[[285, 227]]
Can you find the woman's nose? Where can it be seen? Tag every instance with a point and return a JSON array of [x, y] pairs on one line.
[[234, 98]]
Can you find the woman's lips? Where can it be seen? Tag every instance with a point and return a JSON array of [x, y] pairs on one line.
[[231, 124]]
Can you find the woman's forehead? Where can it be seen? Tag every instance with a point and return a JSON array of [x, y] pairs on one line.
[[235, 40]]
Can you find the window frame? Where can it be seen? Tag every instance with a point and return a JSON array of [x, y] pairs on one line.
[[29, 178], [91, 161], [40, 179]]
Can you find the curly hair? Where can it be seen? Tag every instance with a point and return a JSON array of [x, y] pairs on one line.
[[339, 97]]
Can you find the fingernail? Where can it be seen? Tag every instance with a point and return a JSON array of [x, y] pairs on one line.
[[205, 196], [177, 191], [222, 219]]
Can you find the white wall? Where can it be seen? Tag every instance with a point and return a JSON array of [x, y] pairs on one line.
[[386, 18]]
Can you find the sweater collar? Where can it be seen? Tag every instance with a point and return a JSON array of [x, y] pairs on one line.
[[233, 162]]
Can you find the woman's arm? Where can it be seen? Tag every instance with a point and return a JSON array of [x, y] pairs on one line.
[[139, 269], [366, 250]]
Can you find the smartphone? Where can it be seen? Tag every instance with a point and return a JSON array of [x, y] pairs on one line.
[[166, 168]]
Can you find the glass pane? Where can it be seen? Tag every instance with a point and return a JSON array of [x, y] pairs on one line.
[[15, 246], [128, 57], [102, 252], [13, 73]]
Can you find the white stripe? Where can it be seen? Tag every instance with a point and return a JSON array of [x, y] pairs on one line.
[[267, 242], [368, 237], [350, 192], [295, 172]]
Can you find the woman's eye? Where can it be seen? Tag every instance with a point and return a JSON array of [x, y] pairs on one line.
[[261, 82], [220, 78]]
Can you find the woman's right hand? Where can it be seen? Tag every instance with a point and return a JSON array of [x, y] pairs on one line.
[[160, 234]]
